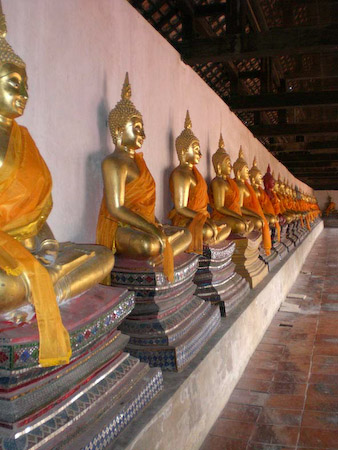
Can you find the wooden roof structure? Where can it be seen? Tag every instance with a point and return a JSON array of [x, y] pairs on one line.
[[274, 62]]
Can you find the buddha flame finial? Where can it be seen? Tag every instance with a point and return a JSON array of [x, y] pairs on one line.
[[268, 169], [221, 142], [240, 153], [187, 122], [7, 55], [126, 89], [254, 164]]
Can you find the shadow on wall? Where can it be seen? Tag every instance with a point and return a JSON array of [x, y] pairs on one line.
[[167, 201], [208, 158], [94, 184]]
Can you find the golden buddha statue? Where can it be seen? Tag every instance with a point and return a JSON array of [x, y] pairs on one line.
[[127, 220], [256, 179], [249, 202], [34, 268], [190, 194], [224, 194]]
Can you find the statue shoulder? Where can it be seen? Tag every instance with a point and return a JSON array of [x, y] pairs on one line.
[[181, 174]]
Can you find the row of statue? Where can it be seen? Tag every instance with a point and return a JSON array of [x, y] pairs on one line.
[[36, 269]]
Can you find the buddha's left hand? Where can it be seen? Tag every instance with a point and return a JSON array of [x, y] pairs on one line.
[[48, 252]]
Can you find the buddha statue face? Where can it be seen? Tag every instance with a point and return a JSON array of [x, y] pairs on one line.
[[243, 173], [13, 90], [225, 167], [192, 154], [132, 134]]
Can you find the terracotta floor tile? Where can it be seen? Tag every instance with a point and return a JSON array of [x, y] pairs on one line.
[[293, 366], [270, 347], [321, 439], [242, 413], [287, 388], [259, 374], [285, 401], [260, 364], [275, 434], [252, 384], [290, 377], [319, 419], [257, 446], [289, 417], [325, 359], [267, 356], [248, 398], [323, 378], [223, 443], [232, 428], [316, 401]]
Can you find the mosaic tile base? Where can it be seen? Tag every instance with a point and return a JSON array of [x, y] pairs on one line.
[[178, 356], [87, 318], [93, 418], [216, 279], [166, 315]]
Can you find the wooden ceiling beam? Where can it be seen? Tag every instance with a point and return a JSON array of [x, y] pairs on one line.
[[276, 42], [312, 146], [275, 101], [295, 129], [216, 9]]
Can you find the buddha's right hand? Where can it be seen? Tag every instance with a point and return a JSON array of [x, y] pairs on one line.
[[48, 251], [161, 236]]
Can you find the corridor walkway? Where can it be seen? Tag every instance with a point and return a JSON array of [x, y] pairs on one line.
[[287, 398]]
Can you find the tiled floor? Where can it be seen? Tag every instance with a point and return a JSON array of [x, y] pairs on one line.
[[287, 398]]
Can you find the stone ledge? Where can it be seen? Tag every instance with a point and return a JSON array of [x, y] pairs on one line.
[[181, 416]]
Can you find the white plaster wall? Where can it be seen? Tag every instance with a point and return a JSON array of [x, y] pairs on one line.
[[323, 198], [77, 53]]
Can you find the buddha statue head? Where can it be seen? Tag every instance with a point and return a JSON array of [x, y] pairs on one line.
[[187, 145], [268, 180], [255, 175], [125, 122], [13, 79], [240, 166], [221, 160]]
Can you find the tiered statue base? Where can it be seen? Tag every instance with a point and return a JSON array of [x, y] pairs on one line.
[[82, 405], [288, 243], [246, 258], [169, 324], [270, 260], [331, 221], [216, 278], [292, 233]]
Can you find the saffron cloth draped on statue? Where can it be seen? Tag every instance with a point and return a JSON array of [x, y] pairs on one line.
[[25, 202], [231, 200], [198, 201], [140, 196], [268, 208], [253, 204]]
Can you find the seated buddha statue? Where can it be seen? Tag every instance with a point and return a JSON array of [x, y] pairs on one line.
[[269, 188], [224, 194], [256, 179], [126, 222], [285, 210], [190, 194], [36, 272], [249, 202]]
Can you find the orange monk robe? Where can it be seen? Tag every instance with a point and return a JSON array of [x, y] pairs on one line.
[[253, 204], [231, 200], [140, 196], [198, 201], [331, 207], [25, 202], [268, 208]]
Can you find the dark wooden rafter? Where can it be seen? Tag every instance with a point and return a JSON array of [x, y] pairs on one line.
[[295, 129], [313, 147], [282, 100], [277, 42]]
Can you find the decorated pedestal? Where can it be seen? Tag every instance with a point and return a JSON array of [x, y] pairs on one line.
[[246, 258], [169, 324], [292, 233], [288, 243], [216, 278], [270, 260], [82, 405]]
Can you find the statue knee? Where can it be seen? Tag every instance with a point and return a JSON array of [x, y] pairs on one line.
[[151, 246], [258, 224], [208, 232], [14, 292], [240, 228], [105, 256]]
